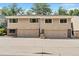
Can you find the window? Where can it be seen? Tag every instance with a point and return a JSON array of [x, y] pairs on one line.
[[33, 20], [63, 20], [48, 20], [12, 31], [13, 20]]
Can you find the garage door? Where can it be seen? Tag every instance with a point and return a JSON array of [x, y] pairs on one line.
[[56, 34], [28, 33]]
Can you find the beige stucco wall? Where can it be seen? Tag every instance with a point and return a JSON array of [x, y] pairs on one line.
[[52, 30], [75, 21], [55, 29], [23, 23], [55, 24]]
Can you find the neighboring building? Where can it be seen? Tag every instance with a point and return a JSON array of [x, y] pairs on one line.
[[36, 26], [75, 25]]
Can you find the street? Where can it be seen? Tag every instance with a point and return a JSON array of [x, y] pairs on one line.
[[38, 47]]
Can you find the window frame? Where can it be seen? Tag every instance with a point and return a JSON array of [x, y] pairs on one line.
[[14, 20], [33, 20], [48, 21], [12, 30], [64, 20]]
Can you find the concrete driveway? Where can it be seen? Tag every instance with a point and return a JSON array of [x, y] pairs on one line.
[[38, 47]]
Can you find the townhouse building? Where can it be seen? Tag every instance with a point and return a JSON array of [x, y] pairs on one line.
[[39, 26]]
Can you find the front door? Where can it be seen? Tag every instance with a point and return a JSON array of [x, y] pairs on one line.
[[69, 33], [42, 34]]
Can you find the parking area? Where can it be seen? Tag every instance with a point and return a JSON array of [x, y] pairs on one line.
[[38, 47]]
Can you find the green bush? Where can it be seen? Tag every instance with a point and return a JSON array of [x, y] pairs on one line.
[[2, 32]]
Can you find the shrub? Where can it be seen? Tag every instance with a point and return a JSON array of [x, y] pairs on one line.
[[2, 32]]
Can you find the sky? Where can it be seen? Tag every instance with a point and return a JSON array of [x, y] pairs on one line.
[[53, 6]]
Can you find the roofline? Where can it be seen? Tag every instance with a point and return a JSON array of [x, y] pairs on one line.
[[39, 16]]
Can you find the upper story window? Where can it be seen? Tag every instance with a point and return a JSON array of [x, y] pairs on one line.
[[48, 20], [63, 20], [34, 20], [13, 20]]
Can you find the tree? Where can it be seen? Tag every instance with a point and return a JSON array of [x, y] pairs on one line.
[[62, 11], [76, 12], [6, 11], [12, 10], [41, 9], [55, 13], [29, 12], [71, 12]]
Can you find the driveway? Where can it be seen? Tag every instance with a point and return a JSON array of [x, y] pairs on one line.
[[38, 47]]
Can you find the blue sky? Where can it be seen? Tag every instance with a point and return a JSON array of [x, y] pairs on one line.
[[53, 6]]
